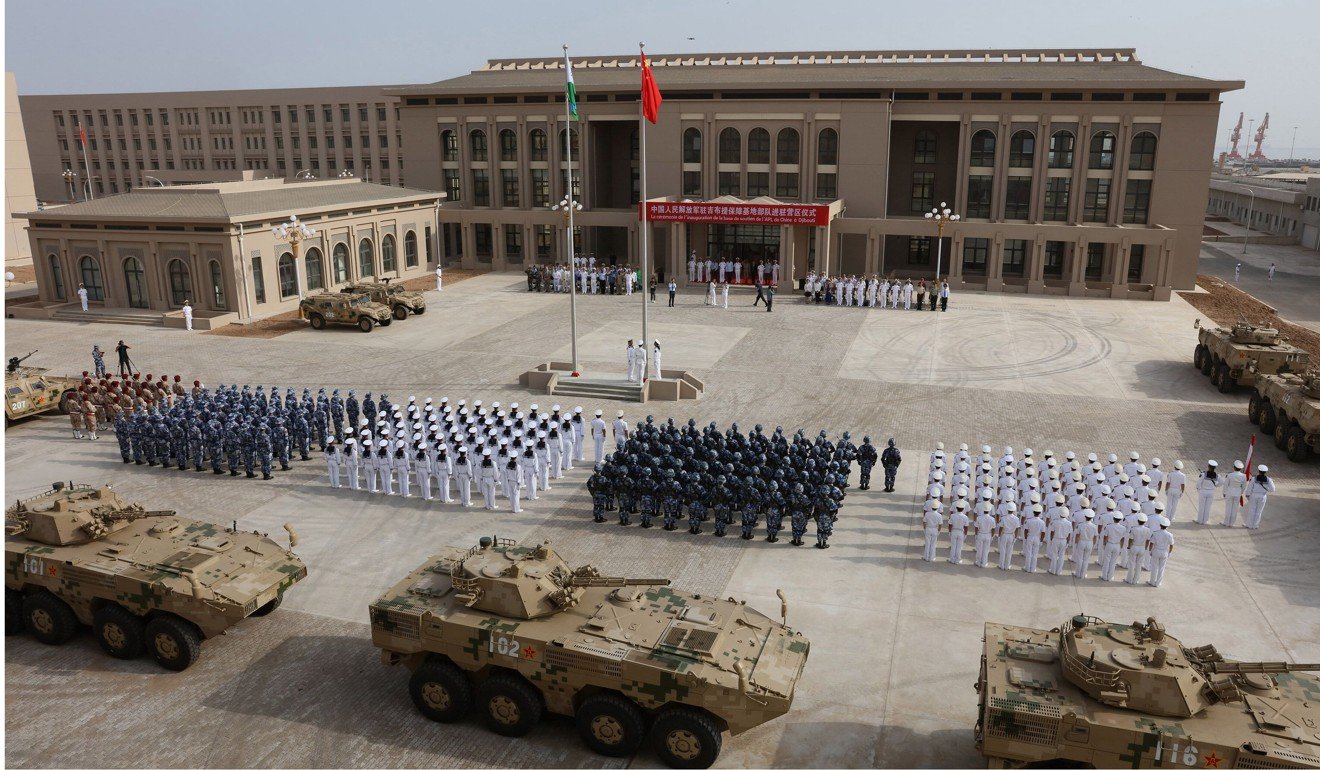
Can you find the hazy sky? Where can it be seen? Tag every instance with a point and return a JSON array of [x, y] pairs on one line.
[[57, 46]]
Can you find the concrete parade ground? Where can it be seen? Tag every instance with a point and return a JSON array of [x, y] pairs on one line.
[[896, 641]]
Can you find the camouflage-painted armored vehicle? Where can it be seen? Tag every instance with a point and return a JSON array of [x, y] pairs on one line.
[[514, 632], [29, 390], [1097, 694], [399, 300], [1243, 353], [144, 580], [344, 309], [1287, 406]]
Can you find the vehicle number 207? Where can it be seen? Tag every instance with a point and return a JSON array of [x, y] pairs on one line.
[[505, 645]]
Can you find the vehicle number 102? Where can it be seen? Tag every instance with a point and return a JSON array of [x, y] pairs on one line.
[[505, 645]]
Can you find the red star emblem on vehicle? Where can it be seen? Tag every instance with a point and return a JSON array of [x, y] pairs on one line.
[[1212, 760], [52, 570], [529, 653]]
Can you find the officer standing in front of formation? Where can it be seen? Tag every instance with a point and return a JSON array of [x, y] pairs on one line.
[[866, 459], [1258, 491], [890, 460]]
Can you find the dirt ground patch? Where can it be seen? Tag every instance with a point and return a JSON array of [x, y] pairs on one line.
[[278, 325], [1226, 304]]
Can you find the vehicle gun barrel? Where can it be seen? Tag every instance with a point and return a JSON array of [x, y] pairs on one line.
[[15, 362], [613, 582], [1258, 667]]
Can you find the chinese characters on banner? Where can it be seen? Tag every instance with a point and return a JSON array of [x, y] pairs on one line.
[[738, 213]]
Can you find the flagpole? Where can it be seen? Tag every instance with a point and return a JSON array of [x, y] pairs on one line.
[[87, 166], [568, 194], [646, 238]]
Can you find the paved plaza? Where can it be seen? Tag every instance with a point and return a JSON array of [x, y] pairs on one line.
[[895, 641]]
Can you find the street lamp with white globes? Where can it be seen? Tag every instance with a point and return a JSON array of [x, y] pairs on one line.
[[940, 216], [294, 233], [567, 207]]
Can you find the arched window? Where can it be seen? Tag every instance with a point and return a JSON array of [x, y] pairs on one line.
[[1062, 144], [758, 147], [315, 270], [410, 249], [135, 278], [217, 285], [1143, 152], [448, 145], [477, 141], [90, 270], [1022, 150], [1102, 150], [788, 151], [924, 147], [827, 148], [563, 146], [288, 276], [540, 149], [692, 145], [730, 146], [178, 282], [508, 145], [57, 276], [388, 263], [983, 148], [340, 263], [366, 259]]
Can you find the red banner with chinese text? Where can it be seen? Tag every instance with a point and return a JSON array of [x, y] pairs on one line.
[[738, 213]]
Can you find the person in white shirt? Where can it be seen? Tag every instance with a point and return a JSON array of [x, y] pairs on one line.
[[1083, 543], [598, 435], [692, 267], [620, 430], [187, 315], [1008, 537], [958, 525], [82, 297], [655, 359], [1258, 491], [724, 291], [944, 296], [1061, 530], [985, 530], [632, 362], [1235, 487], [332, 461], [439, 278], [1159, 546], [1138, 540], [1033, 537], [1205, 491], [1175, 484], [710, 293], [1112, 539], [933, 521]]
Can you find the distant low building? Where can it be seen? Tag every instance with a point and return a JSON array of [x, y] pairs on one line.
[[1270, 204]]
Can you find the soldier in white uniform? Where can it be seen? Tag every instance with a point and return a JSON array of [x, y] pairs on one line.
[[1033, 537], [351, 460], [932, 520], [894, 289], [441, 467], [1112, 540], [463, 477], [1235, 487], [958, 525], [1084, 539], [1175, 484], [1008, 537], [1061, 530], [1205, 491], [907, 295], [598, 435], [632, 361], [692, 267], [332, 461], [620, 430], [369, 463], [884, 293], [1160, 546], [1258, 491], [985, 530], [1138, 541]]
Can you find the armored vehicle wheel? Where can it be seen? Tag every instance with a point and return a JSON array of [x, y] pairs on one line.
[[1198, 358], [686, 738], [441, 691], [1295, 445], [1207, 363], [269, 607], [1281, 433], [400, 313], [1268, 418], [1254, 407], [386, 321], [365, 324], [119, 632], [1224, 378], [509, 706], [48, 618], [318, 321], [173, 642], [610, 724], [420, 310], [13, 612]]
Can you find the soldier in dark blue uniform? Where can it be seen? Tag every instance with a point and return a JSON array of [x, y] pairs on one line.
[[646, 495], [298, 431], [826, 508], [351, 410], [866, 459], [337, 416], [320, 425], [671, 499], [890, 459], [262, 447], [623, 488], [234, 446], [721, 500], [278, 436], [197, 443], [774, 510], [123, 436], [751, 507], [696, 505], [215, 445], [800, 510], [597, 485], [369, 409]]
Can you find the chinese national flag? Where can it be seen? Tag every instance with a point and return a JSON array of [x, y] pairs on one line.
[[82, 135], [650, 93]]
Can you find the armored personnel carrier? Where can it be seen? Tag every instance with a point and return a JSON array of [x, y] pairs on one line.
[[399, 300], [514, 632], [344, 309], [1095, 694], [1287, 406], [144, 580], [1243, 353], [30, 390]]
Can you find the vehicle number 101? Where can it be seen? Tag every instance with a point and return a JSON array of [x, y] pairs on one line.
[[505, 645]]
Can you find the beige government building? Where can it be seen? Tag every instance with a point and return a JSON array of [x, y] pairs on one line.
[[1079, 172]]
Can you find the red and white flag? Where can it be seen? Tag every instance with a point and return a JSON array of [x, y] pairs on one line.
[[1242, 500], [82, 136], [651, 97]]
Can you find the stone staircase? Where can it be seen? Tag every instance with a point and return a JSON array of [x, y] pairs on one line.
[[110, 315], [614, 390]]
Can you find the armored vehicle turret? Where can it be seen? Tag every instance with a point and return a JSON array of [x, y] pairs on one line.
[[1241, 354], [30, 390], [1287, 406], [144, 580], [1094, 694], [514, 632], [399, 300]]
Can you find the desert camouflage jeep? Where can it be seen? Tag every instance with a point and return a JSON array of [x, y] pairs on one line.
[[344, 309]]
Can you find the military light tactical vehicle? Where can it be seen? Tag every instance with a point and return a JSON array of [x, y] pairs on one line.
[[29, 390], [144, 580], [1097, 694], [344, 309], [399, 300], [1287, 406], [1241, 354], [515, 632]]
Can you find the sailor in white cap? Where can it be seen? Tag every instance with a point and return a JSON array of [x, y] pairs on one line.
[[1235, 488], [332, 461], [369, 464], [958, 526], [1138, 539], [1175, 484], [509, 479], [620, 430], [487, 478], [1131, 466], [932, 521], [1060, 537], [542, 452], [1112, 539], [655, 359], [1084, 537], [1033, 537], [442, 466], [579, 433], [1258, 491], [1205, 490], [632, 361], [985, 530], [1159, 547], [598, 435], [463, 477], [1009, 525]]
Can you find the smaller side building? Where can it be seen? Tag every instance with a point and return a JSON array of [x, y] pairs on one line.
[[1274, 205], [154, 248]]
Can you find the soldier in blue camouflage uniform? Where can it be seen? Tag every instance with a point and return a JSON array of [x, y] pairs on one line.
[[234, 446], [321, 425], [597, 485], [279, 441], [721, 500], [696, 507], [866, 459], [123, 436], [262, 448], [825, 510], [164, 440], [299, 433], [337, 416], [890, 459], [197, 443], [774, 511], [751, 507], [671, 500], [800, 510], [623, 489], [137, 429], [369, 408], [351, 410], [647, 498], [250, 448], [215, 445]]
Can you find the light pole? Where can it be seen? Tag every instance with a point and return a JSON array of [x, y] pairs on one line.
[[940, 216], [305, 174], [568, 207], [1250, 213], [294, 233], [70, 175], [1292, 149]]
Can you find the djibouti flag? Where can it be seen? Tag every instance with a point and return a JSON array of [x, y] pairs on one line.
[[572, 89]]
